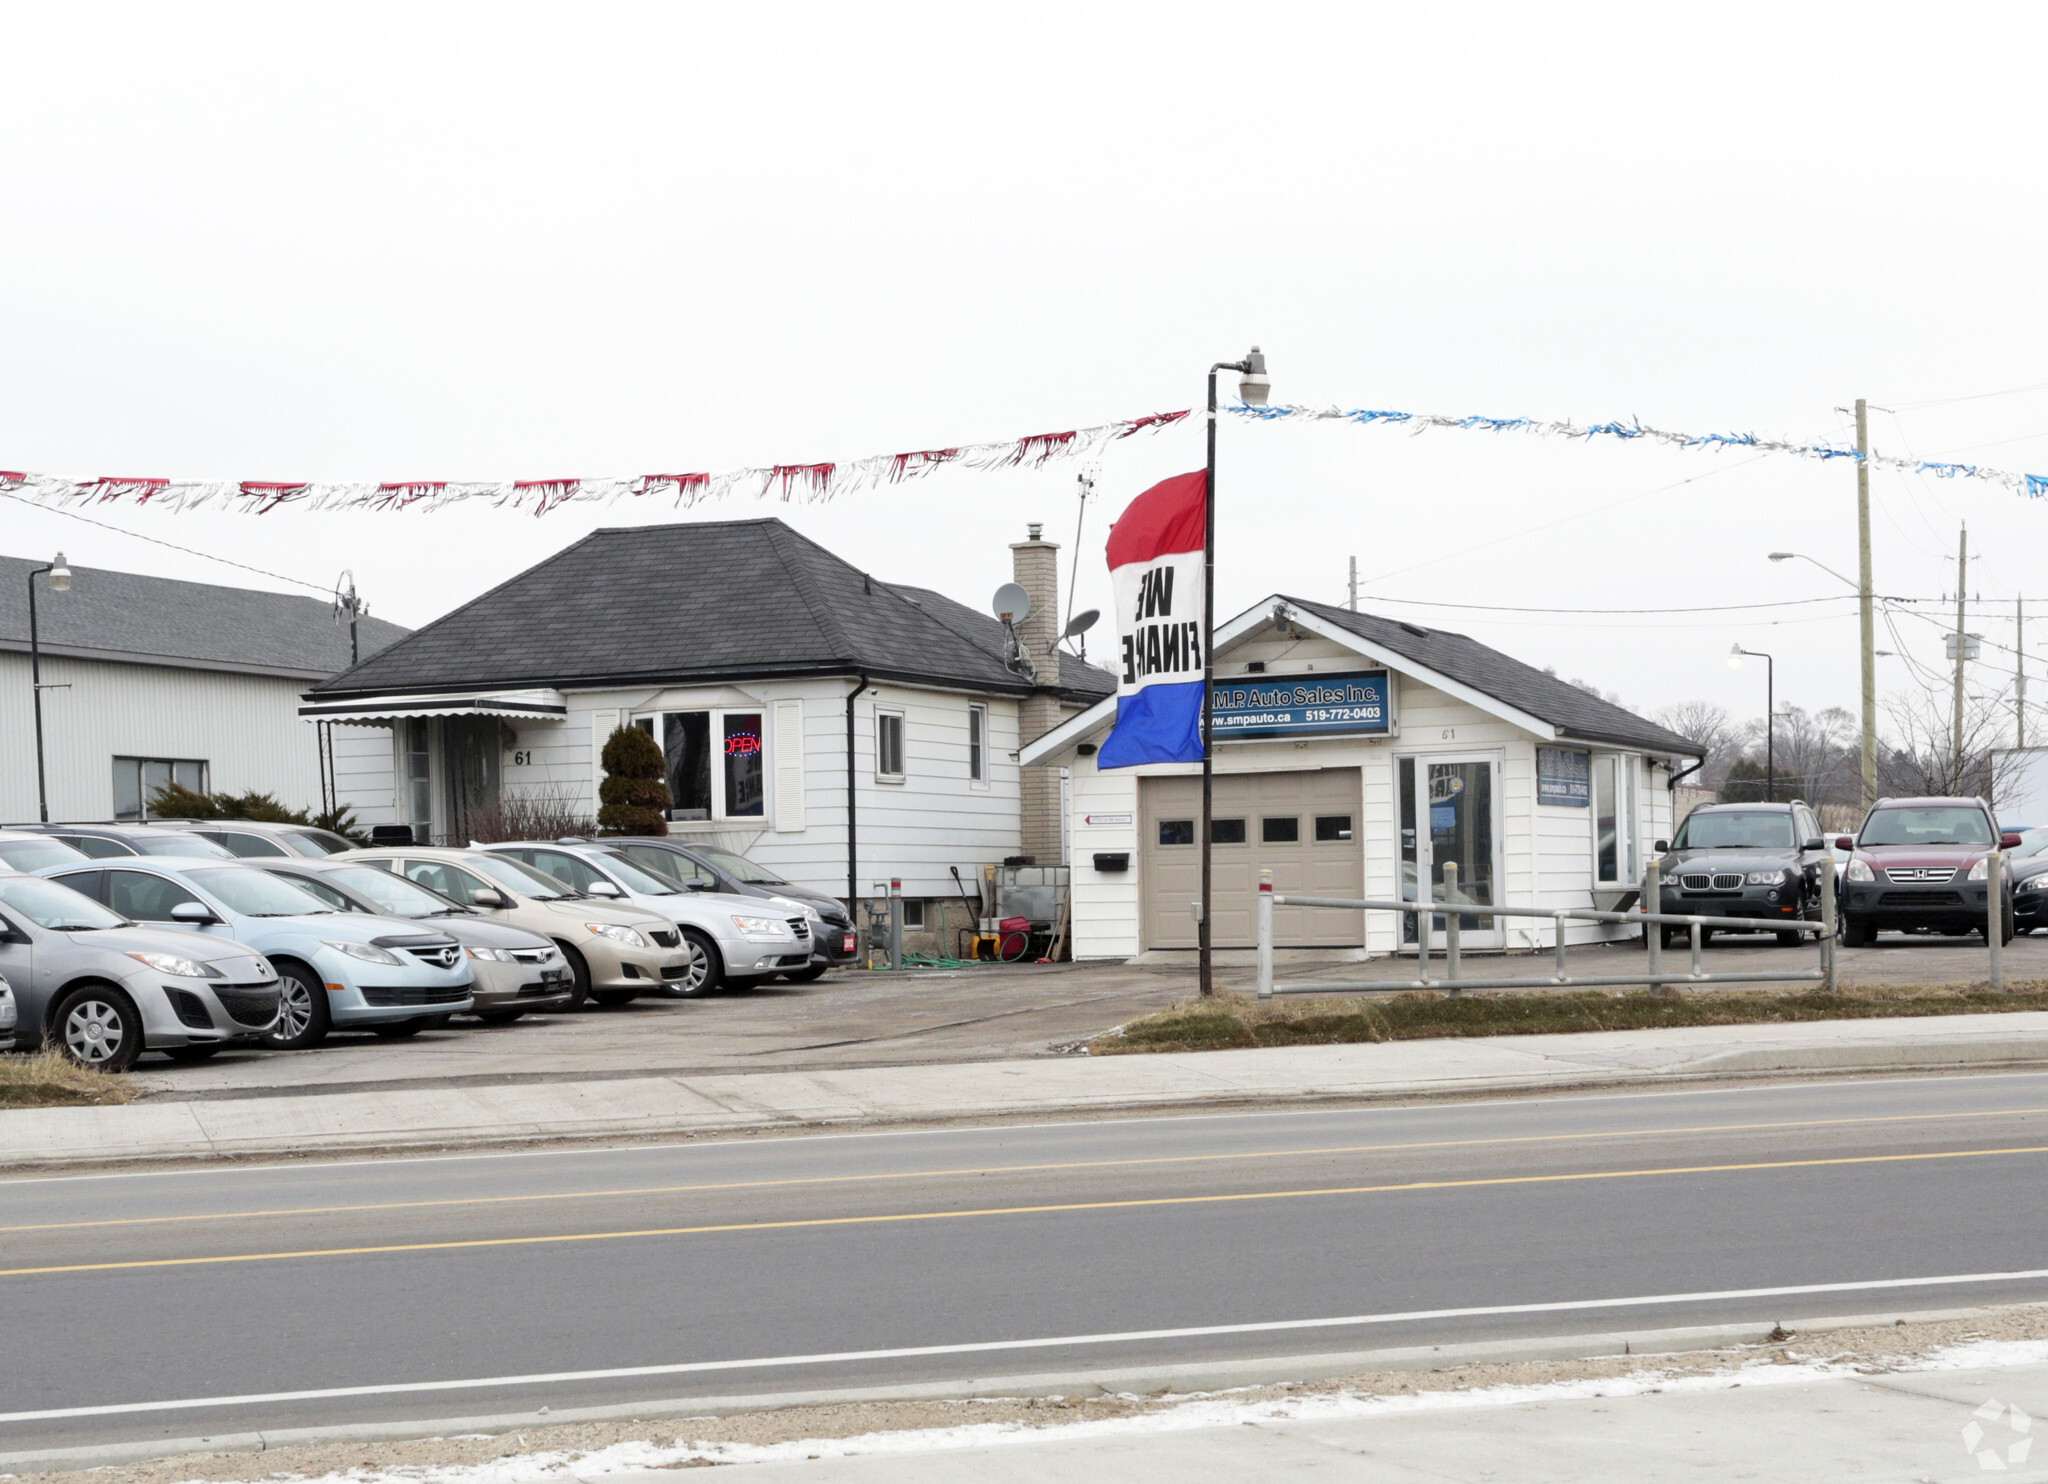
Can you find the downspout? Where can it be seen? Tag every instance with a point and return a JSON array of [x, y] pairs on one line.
[[1671, 783], [852, 833]]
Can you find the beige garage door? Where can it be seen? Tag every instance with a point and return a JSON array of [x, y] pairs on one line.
[[1304, 827]]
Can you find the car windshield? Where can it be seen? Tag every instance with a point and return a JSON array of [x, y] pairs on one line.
[[2033, 842], [321, 842], [1931, 824], [393, 894], [255, 893], [634, 879], [34, 855], [523, 879], [1749, 830], [738, 866], [52, 905], [169, 843]]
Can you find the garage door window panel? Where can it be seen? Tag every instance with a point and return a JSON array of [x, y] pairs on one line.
[[1176, 832], [1284, 830], [1226, 832]]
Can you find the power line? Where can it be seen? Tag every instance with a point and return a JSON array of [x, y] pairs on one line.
[[1709, 608], [318, 587]]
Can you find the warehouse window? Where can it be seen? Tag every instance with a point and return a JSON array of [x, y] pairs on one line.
[[889, 745], [136, 780]]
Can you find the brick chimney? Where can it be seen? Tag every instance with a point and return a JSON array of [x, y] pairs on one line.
[[1035, 566]]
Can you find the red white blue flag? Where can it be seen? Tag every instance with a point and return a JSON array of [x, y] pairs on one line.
[[1155, 567]]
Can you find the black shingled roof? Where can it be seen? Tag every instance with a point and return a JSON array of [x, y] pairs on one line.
[[125, 616], [702, 601], [1582, 715], [1079, 680]]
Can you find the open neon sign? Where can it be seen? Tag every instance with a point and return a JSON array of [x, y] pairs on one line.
[[743, 744]]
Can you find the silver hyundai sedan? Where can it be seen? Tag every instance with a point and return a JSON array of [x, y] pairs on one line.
[[103, 990]]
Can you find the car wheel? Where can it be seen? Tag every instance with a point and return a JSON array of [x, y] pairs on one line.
[[498, 1017], [1856, 934], [191, 1053], [579, 976], [302, 1018], [707, 966], [98, 1027]]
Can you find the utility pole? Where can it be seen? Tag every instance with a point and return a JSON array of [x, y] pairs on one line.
[[1962, 647], [1354, 584], [2019, 672], [1866, 604]]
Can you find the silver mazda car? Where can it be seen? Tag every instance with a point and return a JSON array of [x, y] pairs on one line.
[[103, 990]]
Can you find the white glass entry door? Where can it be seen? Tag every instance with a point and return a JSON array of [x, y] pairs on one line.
[[1450, 814]]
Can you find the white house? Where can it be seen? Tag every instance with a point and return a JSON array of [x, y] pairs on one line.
[[840, 729], [147, 680], [1355, 756]]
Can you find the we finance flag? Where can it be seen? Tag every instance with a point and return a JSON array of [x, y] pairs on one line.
[[1155, 566]]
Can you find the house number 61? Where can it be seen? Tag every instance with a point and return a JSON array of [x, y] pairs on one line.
[[522, 758], [1450, 733]]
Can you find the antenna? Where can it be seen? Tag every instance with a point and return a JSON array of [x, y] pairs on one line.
[[1078, 625], [1086, 480], [346, 601]]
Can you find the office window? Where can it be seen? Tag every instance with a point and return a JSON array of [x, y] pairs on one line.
[[136, 780], [977, 744], [889, 744]]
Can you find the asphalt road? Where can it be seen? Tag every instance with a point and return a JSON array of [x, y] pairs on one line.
[[794, 1263]]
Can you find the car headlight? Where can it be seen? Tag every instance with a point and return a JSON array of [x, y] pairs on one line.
[[1860, 871], [8, 1010], [178, 965], [620, 933], [490, 955], [772, 928], [2032, 883], [369, 953], [1981, 871], [1767, 878]]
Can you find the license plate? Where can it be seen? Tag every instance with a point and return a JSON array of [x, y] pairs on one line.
[[555, 976], [848, 944]]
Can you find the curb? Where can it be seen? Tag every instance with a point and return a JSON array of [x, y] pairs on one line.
[[1187, 1377]]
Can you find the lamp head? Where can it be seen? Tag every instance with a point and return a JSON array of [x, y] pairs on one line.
[[1783, 556], [1253, 385], [60, 576], [1735, 658]]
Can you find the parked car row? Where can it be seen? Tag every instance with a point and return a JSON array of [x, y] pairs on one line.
[[116, 939], [1916, 866]]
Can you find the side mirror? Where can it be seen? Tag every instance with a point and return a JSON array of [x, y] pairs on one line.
[[602, 888], [1843, 842], [488, 899], [194, 913], [1660, 846], [2008, 841], [698, 883], [1816, 843]]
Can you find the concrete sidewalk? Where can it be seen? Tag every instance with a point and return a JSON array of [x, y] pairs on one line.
[[401, 1118]]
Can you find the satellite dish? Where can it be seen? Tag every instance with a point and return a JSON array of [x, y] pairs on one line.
[[1012, 604], [1081, 622]]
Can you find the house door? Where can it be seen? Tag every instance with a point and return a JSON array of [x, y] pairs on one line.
[[472, 749], [1450, 814]]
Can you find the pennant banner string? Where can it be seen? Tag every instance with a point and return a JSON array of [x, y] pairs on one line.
[[813, 482]]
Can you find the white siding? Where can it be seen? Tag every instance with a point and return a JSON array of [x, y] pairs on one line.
[[246, 727], [365, 774]]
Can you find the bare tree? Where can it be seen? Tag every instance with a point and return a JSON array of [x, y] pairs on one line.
[[1920, 758], [1815, 755], [1710, 726]]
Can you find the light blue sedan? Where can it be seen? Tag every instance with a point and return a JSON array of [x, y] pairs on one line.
[[338, 969]]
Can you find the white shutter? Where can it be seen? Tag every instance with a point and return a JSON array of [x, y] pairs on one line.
[[602, 725], [788, 743]]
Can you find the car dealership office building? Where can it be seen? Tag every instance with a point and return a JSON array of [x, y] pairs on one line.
[[1355, 756]]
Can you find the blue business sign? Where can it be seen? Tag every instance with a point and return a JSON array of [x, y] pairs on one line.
[[1564, 777], [1302, 705]]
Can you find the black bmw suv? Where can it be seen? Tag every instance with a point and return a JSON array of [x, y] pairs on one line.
[[1746, 860]]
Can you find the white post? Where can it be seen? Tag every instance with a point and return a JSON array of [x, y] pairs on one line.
[[1994, 917], [1828, 924], [1265, 935]]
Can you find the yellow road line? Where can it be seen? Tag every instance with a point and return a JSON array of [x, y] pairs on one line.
[[1172, 1200], [1025, 1169]]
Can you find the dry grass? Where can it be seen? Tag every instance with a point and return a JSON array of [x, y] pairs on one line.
[[48, 1079], [1236, 1021]]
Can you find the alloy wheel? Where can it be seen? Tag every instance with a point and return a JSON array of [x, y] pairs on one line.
[[294, 1010], [93, 1032], [700, 970]]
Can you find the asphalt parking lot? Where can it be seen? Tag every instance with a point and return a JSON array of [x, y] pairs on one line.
[[858, 1019]]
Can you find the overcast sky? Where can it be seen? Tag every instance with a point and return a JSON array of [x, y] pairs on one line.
[[467, 241]]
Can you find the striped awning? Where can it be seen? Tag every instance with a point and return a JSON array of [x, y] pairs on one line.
[[516, 705]]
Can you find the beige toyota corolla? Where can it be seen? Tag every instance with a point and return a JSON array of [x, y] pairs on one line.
[[615, 952]]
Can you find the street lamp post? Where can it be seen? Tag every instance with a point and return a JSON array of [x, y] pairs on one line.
[[1868, 639], [1770, 715], [60, 582], [1252, 387]]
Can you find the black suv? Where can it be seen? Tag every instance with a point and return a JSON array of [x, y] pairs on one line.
[[1920, 866], [733, 873], [1745, 860]]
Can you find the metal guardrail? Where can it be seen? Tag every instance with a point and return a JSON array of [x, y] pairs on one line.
[[1654, 975]]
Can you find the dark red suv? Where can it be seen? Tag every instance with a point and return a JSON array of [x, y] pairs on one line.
[[1919, 866]]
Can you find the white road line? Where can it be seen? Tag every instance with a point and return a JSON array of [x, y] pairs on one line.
[[1275, 1326]]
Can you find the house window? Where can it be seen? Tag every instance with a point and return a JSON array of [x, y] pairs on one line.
[[977, 744], [913, 914], [136, 780], [419, 778], [889, 744], [735, 788], [1614, 798]]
